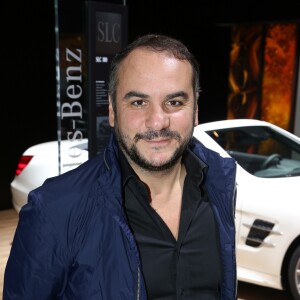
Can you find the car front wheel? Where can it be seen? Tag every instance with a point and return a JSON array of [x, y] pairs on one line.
[[294, 274]]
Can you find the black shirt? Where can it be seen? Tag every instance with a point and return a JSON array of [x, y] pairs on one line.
[[188, 268]]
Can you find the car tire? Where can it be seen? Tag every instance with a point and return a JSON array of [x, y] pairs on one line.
[[294, 274]]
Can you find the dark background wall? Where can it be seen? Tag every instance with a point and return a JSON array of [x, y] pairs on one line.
[[28, 104]]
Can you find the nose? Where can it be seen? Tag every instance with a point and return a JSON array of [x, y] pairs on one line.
[[157, 118]]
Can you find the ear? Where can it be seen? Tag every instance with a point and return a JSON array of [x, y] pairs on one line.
[[196, 116], [111, 114]]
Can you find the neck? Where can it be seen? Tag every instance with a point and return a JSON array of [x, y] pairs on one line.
[[162, 183], [166, 189]]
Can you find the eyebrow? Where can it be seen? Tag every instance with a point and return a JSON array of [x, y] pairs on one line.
[[181, 94], [135, 94]]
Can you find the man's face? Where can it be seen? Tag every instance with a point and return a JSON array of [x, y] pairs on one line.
[[155, 113]]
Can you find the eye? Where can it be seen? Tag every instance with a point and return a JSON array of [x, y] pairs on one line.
[[174, 103], [138, 103]]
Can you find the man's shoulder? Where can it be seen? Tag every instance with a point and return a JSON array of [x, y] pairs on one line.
[[204, 152], [217, 164], [83, 174], [70, 186], [74, 191]]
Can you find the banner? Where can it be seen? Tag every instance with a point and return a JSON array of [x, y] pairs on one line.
[[88, 33], [106, 35]]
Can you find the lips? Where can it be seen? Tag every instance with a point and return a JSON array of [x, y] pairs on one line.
[[160, 142]]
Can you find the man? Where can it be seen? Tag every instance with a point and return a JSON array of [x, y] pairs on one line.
[[152, 216]]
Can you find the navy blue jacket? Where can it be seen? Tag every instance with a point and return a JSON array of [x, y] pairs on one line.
[[73, 241]]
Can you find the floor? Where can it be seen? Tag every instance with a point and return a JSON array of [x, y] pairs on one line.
[[8, 223]]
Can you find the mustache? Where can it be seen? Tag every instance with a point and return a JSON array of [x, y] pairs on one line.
[[152, 134]]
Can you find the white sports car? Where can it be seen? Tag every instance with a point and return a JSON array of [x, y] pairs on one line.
[[268, 196]]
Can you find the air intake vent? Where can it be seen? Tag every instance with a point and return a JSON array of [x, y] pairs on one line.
[[259, 230]]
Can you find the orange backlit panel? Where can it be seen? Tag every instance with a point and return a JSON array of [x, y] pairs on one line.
[[263, 72], [279, 74]]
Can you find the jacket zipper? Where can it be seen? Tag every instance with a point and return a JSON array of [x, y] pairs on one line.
[[138, 283]]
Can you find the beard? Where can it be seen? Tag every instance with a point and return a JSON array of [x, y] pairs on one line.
[[132, 152]]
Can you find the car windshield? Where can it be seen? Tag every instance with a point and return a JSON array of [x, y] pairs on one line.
[[260, 150]]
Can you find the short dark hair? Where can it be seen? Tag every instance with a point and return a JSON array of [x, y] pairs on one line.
[[157, 43]]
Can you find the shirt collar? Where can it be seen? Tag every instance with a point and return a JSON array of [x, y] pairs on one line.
[[196, 169], [126, 169]]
